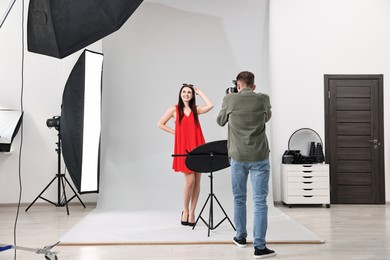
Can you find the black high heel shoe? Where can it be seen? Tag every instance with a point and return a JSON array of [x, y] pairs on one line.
[[190, 223], [184, 223]]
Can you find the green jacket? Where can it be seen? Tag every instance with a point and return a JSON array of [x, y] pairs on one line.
[[246, 113]]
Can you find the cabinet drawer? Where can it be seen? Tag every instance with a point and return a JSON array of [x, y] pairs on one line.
[[308, 185], [307, 199], [308, 174], [308, 191], [305, 167], [307, 179]]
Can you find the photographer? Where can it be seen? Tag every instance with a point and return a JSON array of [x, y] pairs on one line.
[[246, 113]]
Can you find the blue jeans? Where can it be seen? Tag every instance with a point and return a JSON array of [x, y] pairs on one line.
[[259, 174]]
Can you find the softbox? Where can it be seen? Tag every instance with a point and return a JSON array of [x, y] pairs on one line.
[[80, 122], [10, 121], [59, 28]]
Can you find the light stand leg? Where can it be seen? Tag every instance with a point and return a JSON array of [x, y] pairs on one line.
[[39, 196], [75, 193], [46, 251], [60, 185], [210, 224], [64, 193], [211, 217], [226, 216], [200, 214]]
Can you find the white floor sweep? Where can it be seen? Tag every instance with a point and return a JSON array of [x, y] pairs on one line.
[[163, 227]]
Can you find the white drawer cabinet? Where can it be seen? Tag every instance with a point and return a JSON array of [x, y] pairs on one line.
[[305, 184]]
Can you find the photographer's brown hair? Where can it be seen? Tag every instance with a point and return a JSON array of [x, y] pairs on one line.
[[246, 77]]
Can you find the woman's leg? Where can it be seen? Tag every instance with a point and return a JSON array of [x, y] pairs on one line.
[[188, 193], [194, 197]]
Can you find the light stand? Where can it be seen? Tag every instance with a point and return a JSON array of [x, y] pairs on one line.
[[209, 157], [210, 224], [49, 255], [61, 178]]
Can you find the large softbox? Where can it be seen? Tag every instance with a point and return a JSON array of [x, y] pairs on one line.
[[80, 122], [59, 28]]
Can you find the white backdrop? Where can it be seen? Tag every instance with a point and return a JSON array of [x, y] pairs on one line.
[[162, 45]]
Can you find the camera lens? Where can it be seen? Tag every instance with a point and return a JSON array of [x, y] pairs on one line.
[[231, 90]]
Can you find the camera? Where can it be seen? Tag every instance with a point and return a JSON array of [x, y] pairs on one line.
[[232, 89], [53, 122]]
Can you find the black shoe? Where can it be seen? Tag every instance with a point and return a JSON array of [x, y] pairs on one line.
[[264, 253], [184, 223], [239, 242], [191, 224]]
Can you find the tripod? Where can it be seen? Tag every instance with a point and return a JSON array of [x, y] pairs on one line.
[[210, 224], [208, 158], [61, 179]]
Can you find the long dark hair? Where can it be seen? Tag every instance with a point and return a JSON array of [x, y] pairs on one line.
[[192, 104]]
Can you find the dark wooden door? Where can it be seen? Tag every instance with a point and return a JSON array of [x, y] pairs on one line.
[[354, 138]]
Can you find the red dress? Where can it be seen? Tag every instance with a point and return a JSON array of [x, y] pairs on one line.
[[188, 135]]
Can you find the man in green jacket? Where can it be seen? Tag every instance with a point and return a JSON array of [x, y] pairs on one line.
[[246, 113]]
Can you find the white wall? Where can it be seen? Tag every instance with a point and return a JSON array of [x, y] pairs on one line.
[[44, 80], [311, 38], [164, 44]]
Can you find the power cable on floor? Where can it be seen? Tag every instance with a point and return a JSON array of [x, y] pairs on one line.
[[21, 130]]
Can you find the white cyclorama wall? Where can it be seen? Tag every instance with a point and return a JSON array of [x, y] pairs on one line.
[[44, 81], [164, 44], [311, 38]]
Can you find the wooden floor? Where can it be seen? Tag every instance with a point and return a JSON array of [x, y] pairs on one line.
[[350, 231]]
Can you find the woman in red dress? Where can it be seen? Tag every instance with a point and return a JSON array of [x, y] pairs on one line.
[[188, 135]]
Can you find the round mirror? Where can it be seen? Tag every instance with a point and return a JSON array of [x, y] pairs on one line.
[[301, 140]]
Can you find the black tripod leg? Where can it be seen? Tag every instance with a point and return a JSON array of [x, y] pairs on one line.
[[210, 216], [224, 213], [200, 214], [64, 193], [74, 192], [41, 193]]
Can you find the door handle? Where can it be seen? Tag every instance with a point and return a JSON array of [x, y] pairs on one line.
[[374, 141]]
